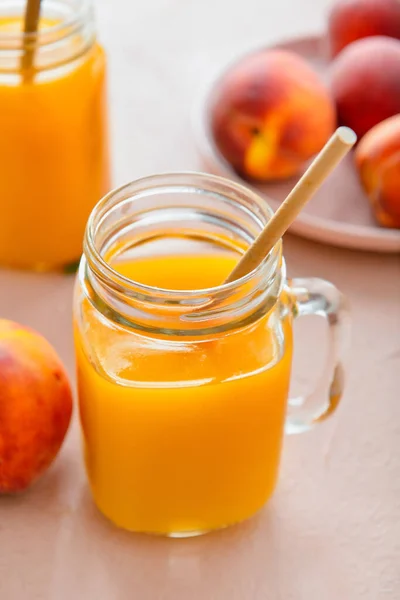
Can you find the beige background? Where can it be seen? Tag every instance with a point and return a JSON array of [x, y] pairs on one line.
[[332, 530]]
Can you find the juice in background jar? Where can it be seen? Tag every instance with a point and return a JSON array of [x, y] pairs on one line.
[[54, 163]]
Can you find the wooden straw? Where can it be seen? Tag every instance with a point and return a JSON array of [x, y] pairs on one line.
[[31, 24], [329, 157]]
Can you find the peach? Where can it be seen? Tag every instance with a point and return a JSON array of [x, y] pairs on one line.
[[350, 20], [35, 406], [378, 161], [270, 113], [366, 82]]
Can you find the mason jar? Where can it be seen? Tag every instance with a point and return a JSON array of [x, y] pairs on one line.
[[183, 380], [54, 163]]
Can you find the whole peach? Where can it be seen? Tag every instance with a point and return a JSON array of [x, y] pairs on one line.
[[271, 113], [366, 82], [378, 161], [350, 20], [35, 406]]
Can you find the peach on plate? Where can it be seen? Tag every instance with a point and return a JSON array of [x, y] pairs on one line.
[[35, 406], [378, 163], [350, 20], [366, 82], [270, 113]]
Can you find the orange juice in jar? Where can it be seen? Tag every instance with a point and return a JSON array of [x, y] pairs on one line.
[[54, 162], [183, 382]]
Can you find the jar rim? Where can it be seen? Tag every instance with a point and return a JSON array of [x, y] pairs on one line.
[[116, 196], [51, 34]]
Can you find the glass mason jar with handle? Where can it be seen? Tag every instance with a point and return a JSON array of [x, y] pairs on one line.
[[54, 163], [183, 382]]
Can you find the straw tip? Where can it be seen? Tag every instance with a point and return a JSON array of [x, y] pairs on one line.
[[346, 135]]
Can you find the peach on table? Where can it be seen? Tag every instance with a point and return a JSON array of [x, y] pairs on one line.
[[350, 20], [270, 113], [378, 161], [365, 82], [35, 406]]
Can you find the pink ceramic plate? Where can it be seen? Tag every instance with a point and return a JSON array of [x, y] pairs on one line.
[[339, 214]]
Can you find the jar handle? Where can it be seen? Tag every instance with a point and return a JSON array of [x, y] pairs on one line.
[[313, 296]]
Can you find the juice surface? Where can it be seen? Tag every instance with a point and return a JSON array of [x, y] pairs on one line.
[[53, 158], [182, 437]]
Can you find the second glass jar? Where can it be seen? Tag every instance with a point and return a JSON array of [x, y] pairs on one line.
[[54, 162]]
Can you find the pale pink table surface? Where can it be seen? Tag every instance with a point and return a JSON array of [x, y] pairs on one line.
[[332, 530]]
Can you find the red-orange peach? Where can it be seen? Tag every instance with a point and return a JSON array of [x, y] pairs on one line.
[[366, 82], [270, 113], [378, 161], [35, 406], [351, 20]]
